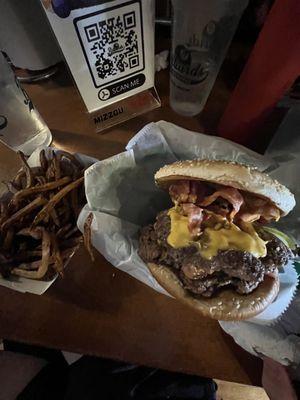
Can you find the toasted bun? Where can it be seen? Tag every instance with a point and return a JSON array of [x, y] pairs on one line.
[[225, 305], [230, 174]]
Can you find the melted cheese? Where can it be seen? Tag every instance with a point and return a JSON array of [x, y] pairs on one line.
[[228, 236], [232, 238], [179, 235]]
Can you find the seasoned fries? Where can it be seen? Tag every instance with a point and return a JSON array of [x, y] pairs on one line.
[[46, 210], [38, 216], [87, 235]]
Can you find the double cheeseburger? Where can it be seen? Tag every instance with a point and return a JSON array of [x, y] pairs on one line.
[[212, 249]]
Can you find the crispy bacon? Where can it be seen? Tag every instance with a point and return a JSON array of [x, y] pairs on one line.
[[232, 195], [179, 191], [248, 216], [270, 214], [186, 191], [225, 201], [221, 207], [199, 190], [195, 217], [258, 209]]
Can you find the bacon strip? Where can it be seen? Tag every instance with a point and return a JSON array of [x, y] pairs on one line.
[[197, 193], [185, 191], [179, 191], [200, 190], [195, 217], [271, 213], [247, 216], [256, 209], [232, 195]]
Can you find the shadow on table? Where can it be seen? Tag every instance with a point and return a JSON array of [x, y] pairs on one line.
[[251, 364], [90, 286]]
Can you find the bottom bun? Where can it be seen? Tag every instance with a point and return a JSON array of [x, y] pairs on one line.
[[226, 304]]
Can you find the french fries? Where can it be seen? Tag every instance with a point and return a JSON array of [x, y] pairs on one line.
[[38, 217], [87, 235]]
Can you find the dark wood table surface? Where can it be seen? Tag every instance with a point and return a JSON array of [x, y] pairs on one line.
[[96, 309]]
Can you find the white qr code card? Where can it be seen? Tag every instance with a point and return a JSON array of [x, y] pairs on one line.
[[109, 47], [112, 42]]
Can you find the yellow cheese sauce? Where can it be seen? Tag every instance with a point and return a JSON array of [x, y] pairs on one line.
[[179, 235], [212, 240], [233, 238]]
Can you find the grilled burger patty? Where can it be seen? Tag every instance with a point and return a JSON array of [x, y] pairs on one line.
[[240, 270]]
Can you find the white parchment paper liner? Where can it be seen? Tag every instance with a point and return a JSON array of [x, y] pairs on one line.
[[30, 285], [123, 197], [280, 341]]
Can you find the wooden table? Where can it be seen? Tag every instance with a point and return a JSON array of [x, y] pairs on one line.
[[99, 310]]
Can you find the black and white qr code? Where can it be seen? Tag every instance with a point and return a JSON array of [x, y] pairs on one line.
[[112, 42]]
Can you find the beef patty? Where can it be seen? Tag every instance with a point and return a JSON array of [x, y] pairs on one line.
[[237, 269]]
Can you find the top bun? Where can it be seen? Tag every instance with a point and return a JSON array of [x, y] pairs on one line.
[[231, 174]]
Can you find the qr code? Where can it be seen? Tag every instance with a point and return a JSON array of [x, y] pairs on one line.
[[112, 41]]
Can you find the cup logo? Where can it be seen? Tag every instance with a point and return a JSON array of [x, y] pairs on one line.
[[190, 65]]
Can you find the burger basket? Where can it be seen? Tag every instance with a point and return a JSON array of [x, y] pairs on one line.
[[122, 196]]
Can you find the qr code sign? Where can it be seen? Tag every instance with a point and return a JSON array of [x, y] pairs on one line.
[[112, 42]]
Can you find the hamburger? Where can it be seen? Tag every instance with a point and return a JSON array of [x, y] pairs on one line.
[[212, 249]]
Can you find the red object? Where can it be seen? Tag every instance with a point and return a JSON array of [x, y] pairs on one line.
[[272, 68]]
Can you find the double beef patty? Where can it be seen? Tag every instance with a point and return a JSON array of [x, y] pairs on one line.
[[238, 269]]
